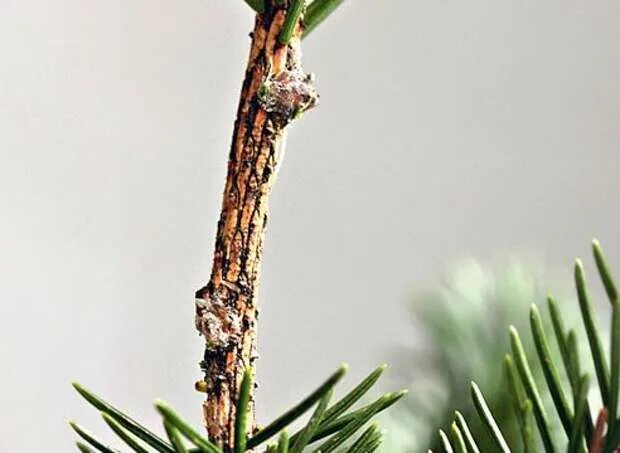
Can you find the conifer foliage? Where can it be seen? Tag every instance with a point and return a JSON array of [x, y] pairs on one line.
[[585, 428]]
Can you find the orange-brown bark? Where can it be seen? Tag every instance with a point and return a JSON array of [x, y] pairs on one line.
[[226, 308]]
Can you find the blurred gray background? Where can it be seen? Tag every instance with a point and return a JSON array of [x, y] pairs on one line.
[[447, 128]]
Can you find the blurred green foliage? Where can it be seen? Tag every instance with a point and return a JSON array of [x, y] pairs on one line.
[[462, 329]]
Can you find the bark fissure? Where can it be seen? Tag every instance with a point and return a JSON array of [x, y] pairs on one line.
[[275, 90]]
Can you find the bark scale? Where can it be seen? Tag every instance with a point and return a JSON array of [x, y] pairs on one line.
[[275, 90]]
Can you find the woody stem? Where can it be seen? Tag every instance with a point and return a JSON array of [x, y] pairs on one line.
[[226, 307]]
